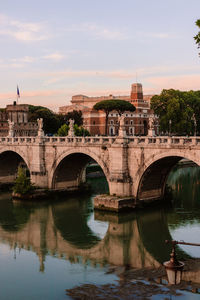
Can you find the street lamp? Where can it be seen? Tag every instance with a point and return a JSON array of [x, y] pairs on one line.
[[195, 124], [170, 127], [173, 267]]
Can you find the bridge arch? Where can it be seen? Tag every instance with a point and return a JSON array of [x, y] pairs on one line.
[[152, 180], [18, 151], [9, 163], [75, 161]]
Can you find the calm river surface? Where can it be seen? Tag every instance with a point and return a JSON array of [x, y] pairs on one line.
[[50, 247]]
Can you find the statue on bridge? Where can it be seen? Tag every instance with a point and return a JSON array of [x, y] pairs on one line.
[[71, 128], [151, 130], [40, 127], [151, 122], [122, 129], [121, 120], [11, 128]]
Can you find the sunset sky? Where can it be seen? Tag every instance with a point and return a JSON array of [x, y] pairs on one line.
[[55, 49]]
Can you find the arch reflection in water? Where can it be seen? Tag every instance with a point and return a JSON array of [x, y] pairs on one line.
[[184, 217], [62, 229], [131, 239], [72, 222]]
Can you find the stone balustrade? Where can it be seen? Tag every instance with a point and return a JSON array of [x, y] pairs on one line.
[[100, 140]]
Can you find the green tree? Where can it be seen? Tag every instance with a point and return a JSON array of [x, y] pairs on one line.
[[75, 115], [78, 130], [63, 130], [113, 105], [197, 37], [23, 183], [51, 120], [180, 107]]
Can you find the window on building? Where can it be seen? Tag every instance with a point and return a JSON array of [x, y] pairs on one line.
[[93, 122], [131, 122], [126, 122], [111, 122]]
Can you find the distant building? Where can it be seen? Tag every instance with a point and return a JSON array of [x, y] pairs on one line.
[[17, 113], [94, 121]]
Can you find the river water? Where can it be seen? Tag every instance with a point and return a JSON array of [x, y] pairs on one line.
[[49, 247]]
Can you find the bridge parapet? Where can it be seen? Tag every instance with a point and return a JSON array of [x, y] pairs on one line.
[[100, 140], [80, 140], [17, 140], [165, 141]]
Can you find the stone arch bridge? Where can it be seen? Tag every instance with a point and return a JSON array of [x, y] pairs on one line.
[[135, 166]]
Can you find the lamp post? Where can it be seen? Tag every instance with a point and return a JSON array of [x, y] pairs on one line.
[[173, 267], [170, 127], [195, 124]]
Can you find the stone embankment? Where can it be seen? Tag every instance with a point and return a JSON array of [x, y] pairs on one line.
[[44, 194]]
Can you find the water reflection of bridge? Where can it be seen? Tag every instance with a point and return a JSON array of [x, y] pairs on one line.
[[61, 230], [120, 246]]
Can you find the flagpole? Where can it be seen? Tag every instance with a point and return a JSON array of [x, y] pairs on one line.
[[18, 94]]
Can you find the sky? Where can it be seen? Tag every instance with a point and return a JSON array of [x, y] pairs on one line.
[[56, 49]]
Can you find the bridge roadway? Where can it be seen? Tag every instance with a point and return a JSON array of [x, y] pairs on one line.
[[133, 166]]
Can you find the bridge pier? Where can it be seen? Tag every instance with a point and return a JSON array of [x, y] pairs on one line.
[[120, 182], [39, 179], [39, 175]]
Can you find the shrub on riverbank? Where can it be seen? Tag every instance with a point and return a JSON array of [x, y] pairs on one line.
[[23, 183]]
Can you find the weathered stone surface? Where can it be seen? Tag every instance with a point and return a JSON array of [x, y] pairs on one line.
[[113, 203], [135, 167]]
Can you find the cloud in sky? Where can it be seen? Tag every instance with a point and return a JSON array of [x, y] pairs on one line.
[[157, 35], [108, 33], [95, 51], [54, 57], [22, 31], [99, 32], [25, 59], [53, 98], [144, 73], [181, 82], [21, 62]]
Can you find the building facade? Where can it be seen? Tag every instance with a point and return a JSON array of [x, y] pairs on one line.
[[18, 114], [136, 123]]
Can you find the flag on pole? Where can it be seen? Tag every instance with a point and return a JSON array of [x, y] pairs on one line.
[[18, 94]]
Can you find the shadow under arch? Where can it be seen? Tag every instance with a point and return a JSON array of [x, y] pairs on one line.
[[12, 217], [70, 171], [9, 163], [153, 181], [70, 219]]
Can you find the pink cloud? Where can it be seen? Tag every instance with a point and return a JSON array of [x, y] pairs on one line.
[[183, 82]]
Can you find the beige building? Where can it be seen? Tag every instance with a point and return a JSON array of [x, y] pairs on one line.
[[94, 121], [18, 114]]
